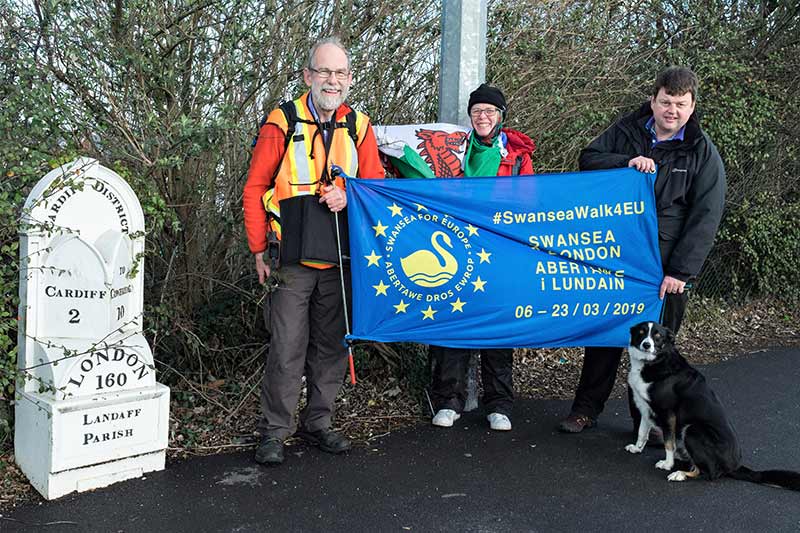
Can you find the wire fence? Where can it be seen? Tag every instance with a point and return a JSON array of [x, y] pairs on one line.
[[758, 241]]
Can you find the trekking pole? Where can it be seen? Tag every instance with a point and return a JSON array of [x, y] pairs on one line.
[[337, 171]]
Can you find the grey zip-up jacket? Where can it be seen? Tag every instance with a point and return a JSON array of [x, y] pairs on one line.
[[689, 189]]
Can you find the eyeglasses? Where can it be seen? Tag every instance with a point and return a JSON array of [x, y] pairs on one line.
[[490, 113], [325, 73]]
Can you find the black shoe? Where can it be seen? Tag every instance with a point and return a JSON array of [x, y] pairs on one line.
[[270, 451], [575, 423], [327, 440]]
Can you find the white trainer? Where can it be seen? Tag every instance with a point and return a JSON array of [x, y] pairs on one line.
[[499, 422], [445, 418]]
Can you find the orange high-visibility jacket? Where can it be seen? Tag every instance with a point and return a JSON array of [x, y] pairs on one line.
[[279, 170]]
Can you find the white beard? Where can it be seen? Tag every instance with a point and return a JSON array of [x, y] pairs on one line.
[[327, 102]]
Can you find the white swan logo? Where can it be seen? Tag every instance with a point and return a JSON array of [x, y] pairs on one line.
[[435, 265], [426, 269]]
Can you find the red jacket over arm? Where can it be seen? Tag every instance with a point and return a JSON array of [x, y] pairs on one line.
[[267, 156]]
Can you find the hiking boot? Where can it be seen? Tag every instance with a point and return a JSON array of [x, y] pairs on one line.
[[445, 418], [270, 451], [499, 422], [575, 423], [327, 440]]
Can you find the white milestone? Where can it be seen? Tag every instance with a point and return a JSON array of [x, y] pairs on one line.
[[89, 411]]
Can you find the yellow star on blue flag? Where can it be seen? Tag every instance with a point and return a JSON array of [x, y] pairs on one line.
[[458, 305], [479, 283], [396, 210], [380, 229], [372, 259], [380, 288]]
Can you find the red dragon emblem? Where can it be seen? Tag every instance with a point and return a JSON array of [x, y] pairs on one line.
[[439, 149]]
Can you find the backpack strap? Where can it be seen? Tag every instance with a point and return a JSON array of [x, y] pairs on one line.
[[290, 112], [350, 120], [350, 123], [292, 119]]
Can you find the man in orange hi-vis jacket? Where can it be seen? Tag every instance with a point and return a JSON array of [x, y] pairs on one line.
[[288, 199]]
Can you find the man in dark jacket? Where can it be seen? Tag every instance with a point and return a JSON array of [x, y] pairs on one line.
[[663, 134]]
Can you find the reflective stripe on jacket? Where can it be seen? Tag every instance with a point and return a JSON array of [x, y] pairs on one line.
[[304, 161]]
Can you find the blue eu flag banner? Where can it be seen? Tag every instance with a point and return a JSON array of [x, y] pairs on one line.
[[547, 260]]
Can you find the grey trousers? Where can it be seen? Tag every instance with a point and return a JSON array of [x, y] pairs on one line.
[[308, 328]]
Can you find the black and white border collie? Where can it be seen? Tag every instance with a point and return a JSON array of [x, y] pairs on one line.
[[672, 395]]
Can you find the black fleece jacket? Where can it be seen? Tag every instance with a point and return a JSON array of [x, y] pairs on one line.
[[689, 189]]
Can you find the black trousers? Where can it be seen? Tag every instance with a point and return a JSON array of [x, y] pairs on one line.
[[600, 366], [449, 387]]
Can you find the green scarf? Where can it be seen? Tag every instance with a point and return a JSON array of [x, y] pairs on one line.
[[482, 160]]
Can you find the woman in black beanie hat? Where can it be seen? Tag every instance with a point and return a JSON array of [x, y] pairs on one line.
[[491, 150]]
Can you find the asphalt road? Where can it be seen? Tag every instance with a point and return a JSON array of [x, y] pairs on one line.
[[468, 478]]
